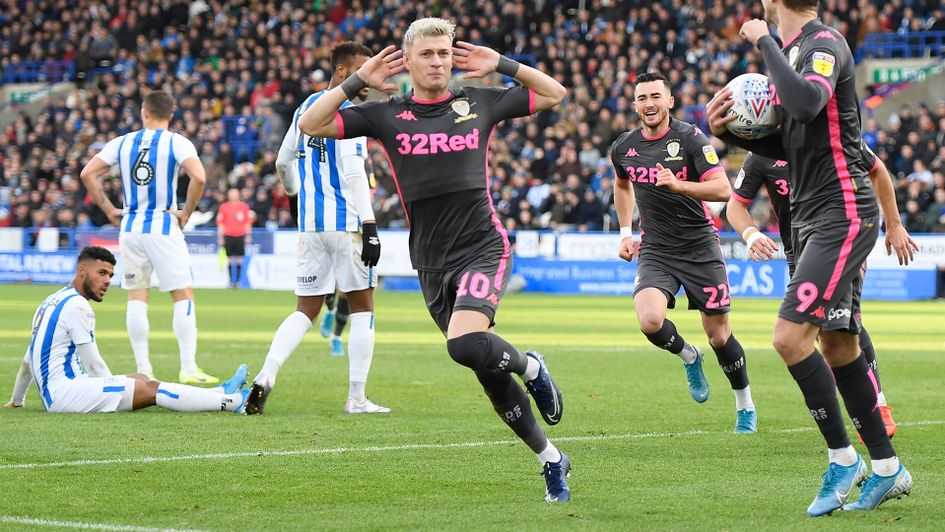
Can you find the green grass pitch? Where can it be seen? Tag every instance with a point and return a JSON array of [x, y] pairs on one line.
[[645, 455]]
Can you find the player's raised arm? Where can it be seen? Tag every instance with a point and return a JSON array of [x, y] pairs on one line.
[[319, 119], [897, 238], [802, 95], [481, 61]]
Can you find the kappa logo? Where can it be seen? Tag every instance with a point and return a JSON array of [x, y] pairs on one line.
[[825, 35], [632, 152], [819, 313], [780, 164], [406, 115]]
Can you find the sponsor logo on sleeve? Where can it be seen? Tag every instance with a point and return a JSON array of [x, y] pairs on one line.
[[740, 179], [710, 156], [823, 63]]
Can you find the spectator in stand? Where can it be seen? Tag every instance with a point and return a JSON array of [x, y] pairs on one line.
[[237, 74], [936, 212], [915, 220], [285, 220]]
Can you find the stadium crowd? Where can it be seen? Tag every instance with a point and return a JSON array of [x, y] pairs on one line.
[[238, 70]]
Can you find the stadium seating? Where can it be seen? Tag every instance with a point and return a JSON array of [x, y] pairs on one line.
[[238, 75]]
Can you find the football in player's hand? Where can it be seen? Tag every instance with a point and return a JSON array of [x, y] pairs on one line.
[[753, 107]]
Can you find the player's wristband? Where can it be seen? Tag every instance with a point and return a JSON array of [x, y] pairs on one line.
[[754, 237], [507, 67], [626, 232], [748, 231], [353, 85]]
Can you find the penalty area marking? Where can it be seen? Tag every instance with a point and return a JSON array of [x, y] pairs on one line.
[[18, 520], [404, 447]]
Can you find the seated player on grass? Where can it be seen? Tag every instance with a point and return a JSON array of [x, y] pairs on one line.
[[71, 375]]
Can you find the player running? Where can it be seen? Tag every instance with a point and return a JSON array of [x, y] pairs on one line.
[[674, 171], [835, 225], [438, 141], [773, 175], [337, 241], [151, 238], [71, 375]]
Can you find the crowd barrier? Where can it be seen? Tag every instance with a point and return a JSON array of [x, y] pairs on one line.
[[544, 261]]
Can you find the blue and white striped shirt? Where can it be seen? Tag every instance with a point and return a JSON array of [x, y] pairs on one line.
[[326, 202], [62, 322], [149, 162]]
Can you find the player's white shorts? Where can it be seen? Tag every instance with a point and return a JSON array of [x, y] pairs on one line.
[[85, 395], [167, 255], [322, 259]]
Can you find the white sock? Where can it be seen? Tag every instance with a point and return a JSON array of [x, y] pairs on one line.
[[360, 352], [185, 329], [845, 456], [183, 398], [288, 336], [881, 399], [743, 399], [532, 367], [356, 391], [550, 454], [688, 354], [136, 321], [886, 467]]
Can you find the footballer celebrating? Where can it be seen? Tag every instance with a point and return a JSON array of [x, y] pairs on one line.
[[669, 169], [438, 141], [835, 223]]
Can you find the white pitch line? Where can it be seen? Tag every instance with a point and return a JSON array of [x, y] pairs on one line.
[[389, 448], [12, 519]]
